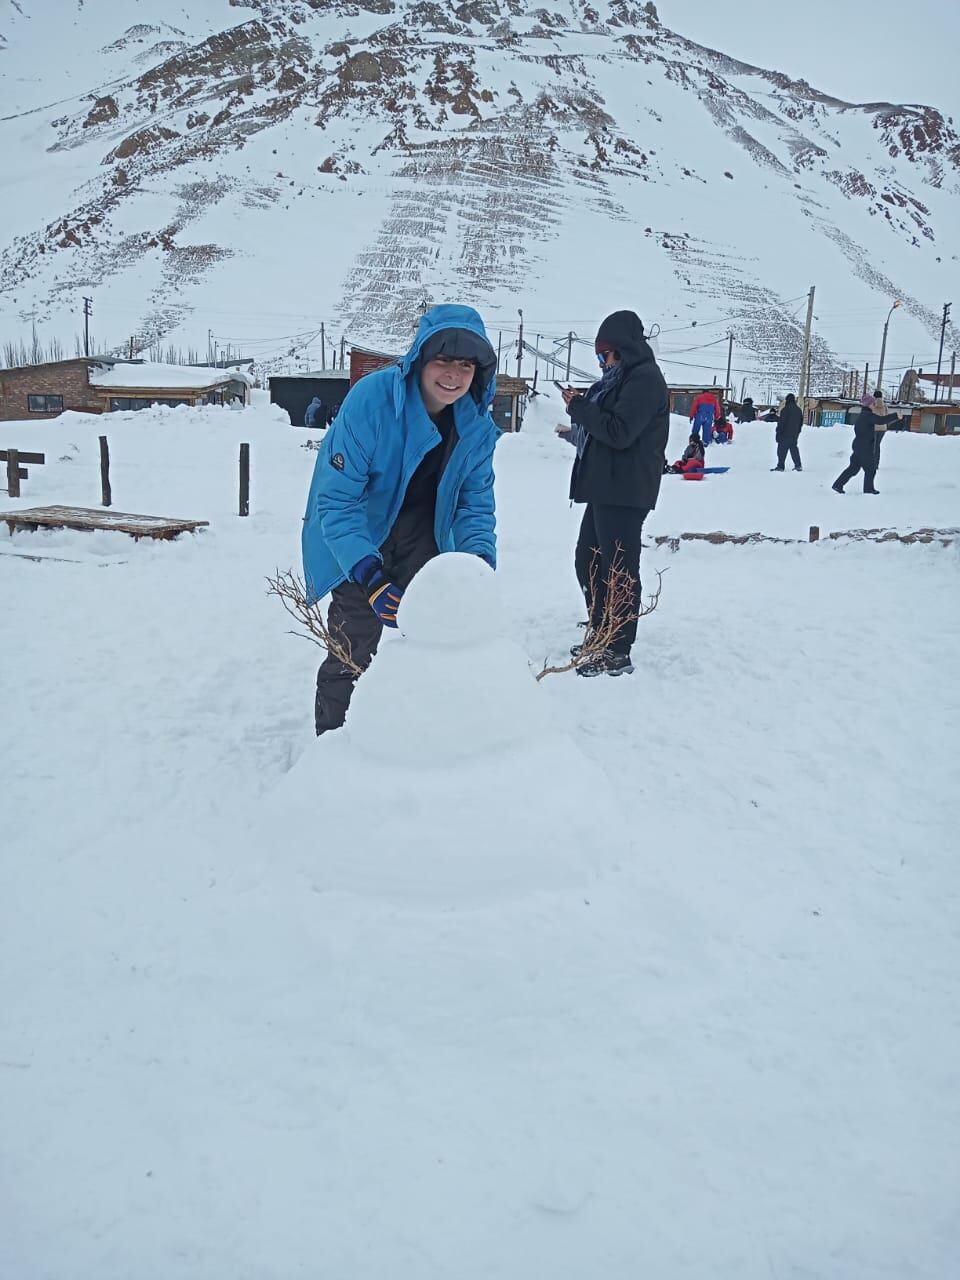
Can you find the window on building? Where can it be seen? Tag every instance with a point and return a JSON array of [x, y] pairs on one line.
[[45, 404], [126, 404]]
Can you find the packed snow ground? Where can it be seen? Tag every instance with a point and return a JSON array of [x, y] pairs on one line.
[[652, 976]]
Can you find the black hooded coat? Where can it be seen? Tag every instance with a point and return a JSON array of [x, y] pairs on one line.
[[622, 461], [789, 423], [866, 448]]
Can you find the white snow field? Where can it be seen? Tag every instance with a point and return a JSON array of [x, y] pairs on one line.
[[653, 977]]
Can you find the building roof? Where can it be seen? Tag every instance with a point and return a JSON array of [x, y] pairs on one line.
[[325, 374], [167, 376]]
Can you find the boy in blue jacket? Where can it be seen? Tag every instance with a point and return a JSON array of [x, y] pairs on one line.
[[404, 472]]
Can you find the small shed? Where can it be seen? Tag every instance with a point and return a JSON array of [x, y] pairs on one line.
[[510, 402], [295, 391], [682, 395], [364, 361], [102, 384], [124, 385]]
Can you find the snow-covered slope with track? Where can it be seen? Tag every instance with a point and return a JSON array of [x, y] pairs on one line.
[[252, 168]]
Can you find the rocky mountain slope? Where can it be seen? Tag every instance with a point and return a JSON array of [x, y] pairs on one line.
[[363, 157]]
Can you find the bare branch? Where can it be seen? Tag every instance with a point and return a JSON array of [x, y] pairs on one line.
[[291, 592], [619, 609]]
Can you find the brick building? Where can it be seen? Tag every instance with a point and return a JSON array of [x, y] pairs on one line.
[[104, 385]]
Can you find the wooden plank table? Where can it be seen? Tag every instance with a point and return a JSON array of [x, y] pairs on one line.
[[136, 526]]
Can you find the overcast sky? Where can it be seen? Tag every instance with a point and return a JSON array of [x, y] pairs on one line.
[[859, 50]]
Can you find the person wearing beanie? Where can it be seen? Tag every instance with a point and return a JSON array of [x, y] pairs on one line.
[[620, 428], [865, 456], [747, 411], [404, 473], [789, 423]]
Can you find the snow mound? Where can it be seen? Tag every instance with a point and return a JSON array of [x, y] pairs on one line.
[[453, 602], [462, 789], [452, 686]]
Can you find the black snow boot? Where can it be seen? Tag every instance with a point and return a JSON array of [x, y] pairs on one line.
[[607, 663]]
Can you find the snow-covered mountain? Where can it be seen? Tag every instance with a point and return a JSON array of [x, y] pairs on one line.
[[255, 166]]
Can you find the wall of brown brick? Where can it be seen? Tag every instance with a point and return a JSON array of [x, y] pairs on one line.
[[67, 378]]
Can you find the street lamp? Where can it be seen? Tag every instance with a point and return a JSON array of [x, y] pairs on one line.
[[883, 346]]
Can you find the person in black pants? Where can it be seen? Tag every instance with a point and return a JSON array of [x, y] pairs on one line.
[[405, 473], [866, 452], [620, 428], [789, 422]]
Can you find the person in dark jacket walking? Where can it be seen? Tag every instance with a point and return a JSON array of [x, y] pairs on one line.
[[866, 450], [789, 422], [404, 473], [620, 428]]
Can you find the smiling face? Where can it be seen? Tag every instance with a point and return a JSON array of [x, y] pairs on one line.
[[444, 380]]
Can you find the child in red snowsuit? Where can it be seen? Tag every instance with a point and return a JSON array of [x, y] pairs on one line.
[[691, 460]]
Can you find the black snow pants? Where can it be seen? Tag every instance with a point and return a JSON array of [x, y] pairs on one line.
[[785, 447], [407, 549], [860, 460], [609, 537]]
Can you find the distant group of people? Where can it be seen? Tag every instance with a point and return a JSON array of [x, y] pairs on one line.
[[709, 421]]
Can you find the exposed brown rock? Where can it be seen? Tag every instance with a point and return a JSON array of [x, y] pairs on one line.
[[102, 112]]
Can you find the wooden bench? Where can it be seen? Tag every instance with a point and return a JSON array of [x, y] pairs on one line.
[[34, 518]]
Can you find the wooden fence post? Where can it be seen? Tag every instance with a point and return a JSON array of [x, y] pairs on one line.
[[814, 533], [13, 473], [244, 479], [105, 495]]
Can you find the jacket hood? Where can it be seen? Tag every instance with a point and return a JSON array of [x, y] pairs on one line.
[[623, 332], [451, 316]]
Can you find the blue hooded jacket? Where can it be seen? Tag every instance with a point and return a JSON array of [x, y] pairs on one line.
[[369, 454]]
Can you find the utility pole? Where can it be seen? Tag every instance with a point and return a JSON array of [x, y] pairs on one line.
[[536, 360], [943, 330], [953, 365], [323, 347], [520, 342], [499, 344], [883, 345], [209, 346], [866, 379], [343, 347], [805, 362], [87, 312], [726, 385], [569, 354]]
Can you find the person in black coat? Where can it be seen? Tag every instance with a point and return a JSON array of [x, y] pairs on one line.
[[620, 429], [747, 412], [789, 422], [866, 451]]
